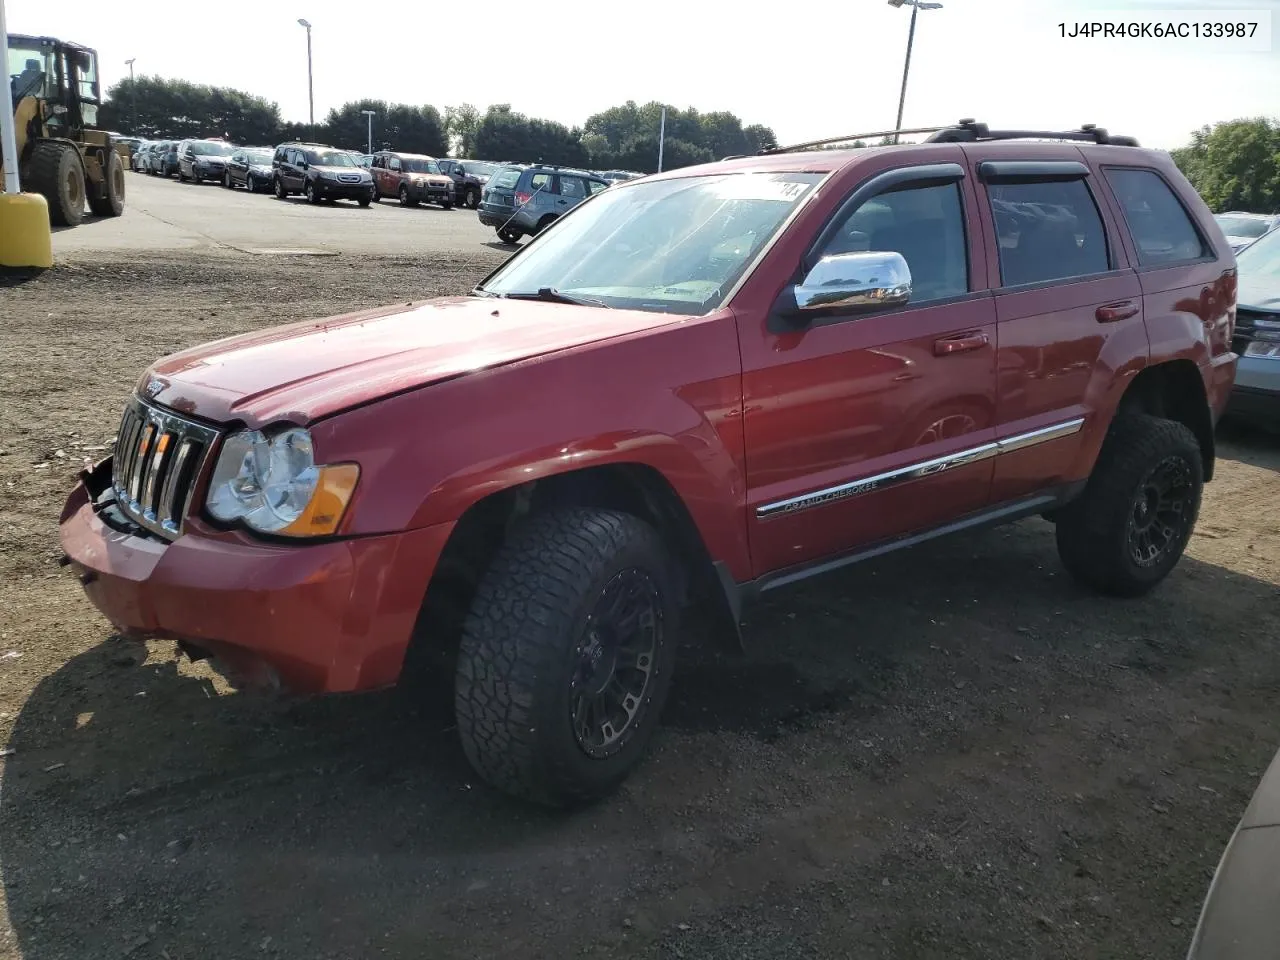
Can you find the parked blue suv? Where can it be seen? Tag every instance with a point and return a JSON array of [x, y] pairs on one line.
[[523, 200]]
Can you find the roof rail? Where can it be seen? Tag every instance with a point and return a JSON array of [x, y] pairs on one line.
[[969, 131], [813, 144]]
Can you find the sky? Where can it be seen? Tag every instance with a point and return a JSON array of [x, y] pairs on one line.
[[822, 68]]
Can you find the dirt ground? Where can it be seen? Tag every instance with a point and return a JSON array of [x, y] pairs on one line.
[[951, 752]]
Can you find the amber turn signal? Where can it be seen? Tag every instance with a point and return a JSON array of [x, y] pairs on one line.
[[324, 513]]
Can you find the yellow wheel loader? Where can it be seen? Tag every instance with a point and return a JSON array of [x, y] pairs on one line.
[[61, 155]]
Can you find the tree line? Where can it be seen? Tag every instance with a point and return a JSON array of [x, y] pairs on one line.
[[622, 137], [1235, 165]]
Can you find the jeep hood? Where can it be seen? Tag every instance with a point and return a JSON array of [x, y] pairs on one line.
[[307, 370]]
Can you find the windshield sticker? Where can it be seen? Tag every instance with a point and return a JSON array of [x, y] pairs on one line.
[[754, 186]]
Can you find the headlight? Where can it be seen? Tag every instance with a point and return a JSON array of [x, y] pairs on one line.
[[274, 485]]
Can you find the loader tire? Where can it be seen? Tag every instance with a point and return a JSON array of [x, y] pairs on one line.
[[57, 173], [110, 203]]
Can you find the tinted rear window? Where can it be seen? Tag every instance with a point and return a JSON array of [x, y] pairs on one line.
[[1160, 226], [506, 178], [1047, 231]]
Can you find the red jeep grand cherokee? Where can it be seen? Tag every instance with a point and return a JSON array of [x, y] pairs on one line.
[[699, 385]]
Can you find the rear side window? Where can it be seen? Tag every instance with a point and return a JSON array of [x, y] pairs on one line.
[[506, 179], [1047, 231], [541, 183], [595, 186], [1162, 230], [572, 187]]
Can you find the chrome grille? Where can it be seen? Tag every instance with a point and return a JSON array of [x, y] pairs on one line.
[[157, 461], [349, 178]]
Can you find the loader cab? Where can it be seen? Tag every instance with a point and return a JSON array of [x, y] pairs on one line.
[[64, 76]]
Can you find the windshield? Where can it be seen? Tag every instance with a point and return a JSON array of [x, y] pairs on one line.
[[1242, 226], [330, 158], [259, 157], [31, 68], [478, 169], [420, 165], [1259, 268], [674, 246], [211, 149]]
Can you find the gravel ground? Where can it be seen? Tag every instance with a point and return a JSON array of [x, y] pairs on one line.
[[949, 752]]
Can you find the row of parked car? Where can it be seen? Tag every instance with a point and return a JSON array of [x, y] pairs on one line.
[[321, 172]]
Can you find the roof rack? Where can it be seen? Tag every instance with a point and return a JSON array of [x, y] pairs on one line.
[[814, 144], [967, 131]]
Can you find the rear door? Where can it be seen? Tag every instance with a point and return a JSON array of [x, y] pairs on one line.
[[571, 192], [1069, 310]]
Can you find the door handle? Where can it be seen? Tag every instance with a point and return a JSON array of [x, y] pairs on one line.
[[968, 341], [1116, 311]]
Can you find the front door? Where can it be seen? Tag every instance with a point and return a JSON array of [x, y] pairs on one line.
[[864, 426], [1066, 301]]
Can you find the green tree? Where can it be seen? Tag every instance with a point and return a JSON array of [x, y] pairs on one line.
[[504, 134], [175, 109], [1235, 165], [462, 124], [627, 136], [404, 127]]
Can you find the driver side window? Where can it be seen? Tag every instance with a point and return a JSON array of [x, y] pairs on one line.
[[925, 225], [394, 163]]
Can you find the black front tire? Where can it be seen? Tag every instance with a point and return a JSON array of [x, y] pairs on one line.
[[554, 705], [1129, 528], [446, 204], [312, 195], [281, 192], [56, 172], [473, 199]]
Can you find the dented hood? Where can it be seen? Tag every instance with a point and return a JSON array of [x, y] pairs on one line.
[[307, 370]]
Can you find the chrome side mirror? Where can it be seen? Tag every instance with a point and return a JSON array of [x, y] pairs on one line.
[[856, 281]]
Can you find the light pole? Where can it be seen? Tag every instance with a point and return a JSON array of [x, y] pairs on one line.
[[311, 96], [662, 136], [133, 99], [916, 7], [369, 114]]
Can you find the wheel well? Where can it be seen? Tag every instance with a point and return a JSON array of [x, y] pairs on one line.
[[632, 488], [1175, 391]]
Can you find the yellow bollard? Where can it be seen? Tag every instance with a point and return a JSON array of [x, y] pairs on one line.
[[25, 237]]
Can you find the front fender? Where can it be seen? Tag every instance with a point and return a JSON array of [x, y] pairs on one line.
[[671, 402]]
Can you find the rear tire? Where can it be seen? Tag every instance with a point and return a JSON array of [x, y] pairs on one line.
[[57, 172], [567, 655], [446, 204], [111, 201], [507, 235], [545, 222], [1129, 528], [473, 198]]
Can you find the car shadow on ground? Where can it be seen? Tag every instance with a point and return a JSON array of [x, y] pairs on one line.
[[142, 814], [1249, 442]]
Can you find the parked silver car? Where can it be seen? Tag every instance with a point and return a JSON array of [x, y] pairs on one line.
[[1244, 228], [1256, 394]]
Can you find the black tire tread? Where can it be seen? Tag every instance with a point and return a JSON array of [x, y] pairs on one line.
[[111, 203], [1090, 531], [525, 606], [44, 176]]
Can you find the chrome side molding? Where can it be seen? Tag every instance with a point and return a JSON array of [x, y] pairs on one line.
[[879, 481]]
